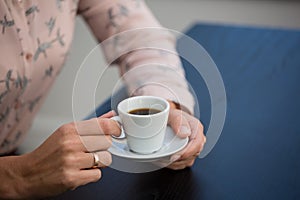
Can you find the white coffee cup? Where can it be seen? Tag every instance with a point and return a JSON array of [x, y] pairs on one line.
[[144, 133]]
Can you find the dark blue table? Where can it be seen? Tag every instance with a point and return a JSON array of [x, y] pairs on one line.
[[258, 153]]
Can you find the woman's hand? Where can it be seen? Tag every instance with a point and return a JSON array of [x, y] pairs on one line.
[[185, 125], [64, 162]]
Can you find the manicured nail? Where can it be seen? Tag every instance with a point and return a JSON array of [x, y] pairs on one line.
[[174, 158], [185, 131]]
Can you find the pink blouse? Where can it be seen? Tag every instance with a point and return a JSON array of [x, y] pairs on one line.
[[35, 38]]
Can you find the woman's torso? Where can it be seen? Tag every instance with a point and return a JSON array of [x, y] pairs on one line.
[[35, 38]]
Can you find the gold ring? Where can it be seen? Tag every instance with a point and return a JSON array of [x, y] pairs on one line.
[[96, 160]]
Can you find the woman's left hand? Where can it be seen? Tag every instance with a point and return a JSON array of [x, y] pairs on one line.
[[185, 125]]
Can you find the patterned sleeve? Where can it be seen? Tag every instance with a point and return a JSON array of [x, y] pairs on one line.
[[132, 38]]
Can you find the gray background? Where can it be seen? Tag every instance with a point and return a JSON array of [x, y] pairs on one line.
[[173, 14]]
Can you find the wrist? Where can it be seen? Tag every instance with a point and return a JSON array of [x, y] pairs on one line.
[[12, 174]]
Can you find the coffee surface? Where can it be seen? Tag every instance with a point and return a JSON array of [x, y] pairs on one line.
[[144, 111]]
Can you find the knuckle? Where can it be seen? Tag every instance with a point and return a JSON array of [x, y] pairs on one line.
[[199, 147], [109, 126], [204, 139], [68, 160], [186, 155], [69, 144], [66, 129], [200, 125], [66, 146], [67, 179], [108, 160], [105, 125], [63, 162], [105, 158], [178, 118]]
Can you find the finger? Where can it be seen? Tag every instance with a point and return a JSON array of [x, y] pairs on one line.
[[104, 157], [196, 142], [98, 126], [184, 161], [202, 145], [88, 176], [197, 135], [179, 123], [108, 114], [176, 167], [193, 148], [96, 142], [109, 126], [89, 127], [195, 125], [163, 162], [182, 165], [86, 160]]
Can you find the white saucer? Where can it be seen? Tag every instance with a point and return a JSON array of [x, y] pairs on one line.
[[171, 145]]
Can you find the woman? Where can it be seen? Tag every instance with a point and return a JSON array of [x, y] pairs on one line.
[[35, 39]]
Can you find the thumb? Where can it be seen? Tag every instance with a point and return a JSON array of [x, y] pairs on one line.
[[179, 123], [108, 114]]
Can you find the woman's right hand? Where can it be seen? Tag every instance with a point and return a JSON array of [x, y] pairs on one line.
[[64, 161]]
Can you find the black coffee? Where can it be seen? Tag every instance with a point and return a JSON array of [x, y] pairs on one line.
[[144, 111]]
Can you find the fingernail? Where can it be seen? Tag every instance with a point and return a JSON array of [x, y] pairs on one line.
[[174, 158], [185, 131]]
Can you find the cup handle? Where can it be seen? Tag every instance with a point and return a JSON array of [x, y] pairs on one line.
[[122, 136]]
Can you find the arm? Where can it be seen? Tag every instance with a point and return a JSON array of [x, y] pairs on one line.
[[145, 52], [132, 38]]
